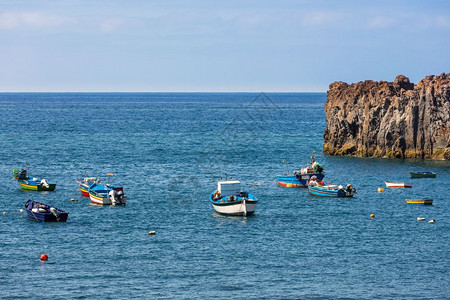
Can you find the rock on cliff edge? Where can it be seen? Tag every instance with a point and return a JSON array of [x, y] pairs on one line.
[[389, 119]]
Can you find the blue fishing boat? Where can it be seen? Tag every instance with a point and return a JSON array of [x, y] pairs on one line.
[[426, 174], [105, 194], [85, 184], [300, 178], [32, 184], [37, 211], [331, 190]]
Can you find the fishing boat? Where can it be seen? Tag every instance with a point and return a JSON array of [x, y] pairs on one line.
[[420, 201], [85, 184], [399, 185], [32, 184], [105, 194], [426, 174], [300, 178], [229, 199], [37, 211], [331, 190]]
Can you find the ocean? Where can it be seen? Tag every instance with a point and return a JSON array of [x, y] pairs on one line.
[[169, 150]]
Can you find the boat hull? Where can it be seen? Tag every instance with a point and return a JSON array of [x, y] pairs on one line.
[[420, 202], [327, 192], [300, 181], [422, 174], [103, 199], [237, 208], [100, 199], [398, 185], [84, 189], [32, 186]]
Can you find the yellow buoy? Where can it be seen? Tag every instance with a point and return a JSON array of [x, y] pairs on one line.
[[73, 199], [372, 216], [420, 219], [151, 232], [380, 190]]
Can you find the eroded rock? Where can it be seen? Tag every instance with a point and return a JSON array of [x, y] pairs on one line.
[[389, 119]]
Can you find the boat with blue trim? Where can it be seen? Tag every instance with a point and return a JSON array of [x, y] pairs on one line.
[[37, 211], [331, 190], [425, 174], [32, 184], [86, 183], [229, 199], [105, 194], [301, 177]]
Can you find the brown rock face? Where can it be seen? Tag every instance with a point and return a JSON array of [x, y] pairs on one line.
[[389, 119]]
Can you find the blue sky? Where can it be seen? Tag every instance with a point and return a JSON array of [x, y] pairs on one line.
[[139, 45]]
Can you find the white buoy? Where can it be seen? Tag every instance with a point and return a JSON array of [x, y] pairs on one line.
[[21, 211], [420, 219], [432, 221], [151, 232]]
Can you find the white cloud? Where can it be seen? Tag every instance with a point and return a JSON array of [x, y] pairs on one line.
[[109, 25], [442, 21], [11, 20], [318, 18], [381, 22]]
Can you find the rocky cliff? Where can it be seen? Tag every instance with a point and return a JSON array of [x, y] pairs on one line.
[[389, 119]]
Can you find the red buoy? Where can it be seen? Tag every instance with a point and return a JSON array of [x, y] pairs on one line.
[[44, 257]]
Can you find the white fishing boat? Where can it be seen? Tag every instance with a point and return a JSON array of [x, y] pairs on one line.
[[229, 199], [400, 185]]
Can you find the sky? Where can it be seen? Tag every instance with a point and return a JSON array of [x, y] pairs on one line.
[[217, 46]]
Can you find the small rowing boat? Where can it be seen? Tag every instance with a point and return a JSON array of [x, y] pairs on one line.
[[420, 201], [229, 199], [37, 211], [331, 190], [399, 185], [426, 174]]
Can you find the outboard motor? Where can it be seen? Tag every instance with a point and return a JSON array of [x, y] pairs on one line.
[[112, 197], [54, 212], [120, 197], [44, 183]]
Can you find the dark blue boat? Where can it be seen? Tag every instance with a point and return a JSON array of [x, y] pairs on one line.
[[426, 174], [37, 211]]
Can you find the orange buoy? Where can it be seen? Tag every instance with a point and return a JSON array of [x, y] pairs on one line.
[[372, 216], [4, 213], [380, 190], [44, 257], [151, 232]]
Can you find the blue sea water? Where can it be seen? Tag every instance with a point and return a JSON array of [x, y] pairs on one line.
[[169, 150]]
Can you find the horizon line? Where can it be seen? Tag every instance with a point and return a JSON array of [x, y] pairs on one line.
[[222, 92]]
